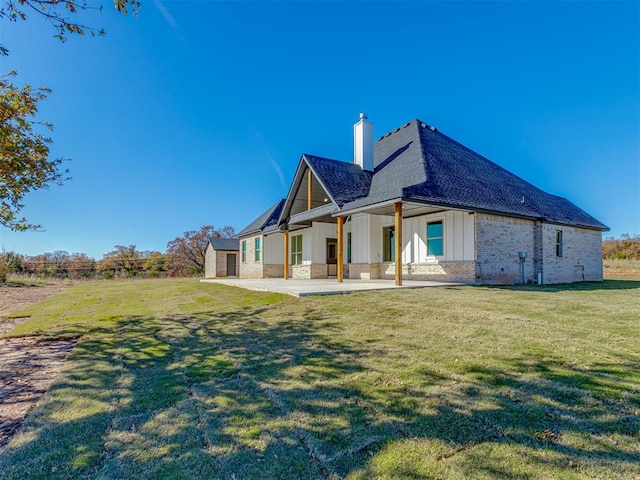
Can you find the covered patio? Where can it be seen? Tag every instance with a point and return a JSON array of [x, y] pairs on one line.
[[304, 288]]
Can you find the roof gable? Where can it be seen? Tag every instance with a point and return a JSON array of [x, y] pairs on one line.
[[340, 183]]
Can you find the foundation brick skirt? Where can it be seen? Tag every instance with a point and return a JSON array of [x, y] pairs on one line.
[[464, 272]]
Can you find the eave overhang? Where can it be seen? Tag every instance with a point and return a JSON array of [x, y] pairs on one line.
[[313, 214]]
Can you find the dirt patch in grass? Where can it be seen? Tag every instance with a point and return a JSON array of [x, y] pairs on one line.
[[18, 296], [28, 365]]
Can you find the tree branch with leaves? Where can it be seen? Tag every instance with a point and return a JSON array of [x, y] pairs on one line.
[[24, 152], [59, 14]]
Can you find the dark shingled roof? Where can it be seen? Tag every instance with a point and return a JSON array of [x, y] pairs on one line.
[[264, 221], [224, 243], [343, 181], [416, 162]]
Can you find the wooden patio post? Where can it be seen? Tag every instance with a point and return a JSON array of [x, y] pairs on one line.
[[398, 243], [340, 246], [286, 254]]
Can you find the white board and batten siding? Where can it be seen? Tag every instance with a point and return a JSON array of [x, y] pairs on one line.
[[273, 245], [366, 237], [458, 228], [314, 241]]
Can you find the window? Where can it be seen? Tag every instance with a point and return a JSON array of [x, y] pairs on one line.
[[296, 250], [349, 247], [332, 251], [257, 249], [244, 251], [558, 243], [388, 244], [434, 239]]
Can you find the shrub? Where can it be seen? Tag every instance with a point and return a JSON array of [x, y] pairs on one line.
[[4, 268], [625, 247]]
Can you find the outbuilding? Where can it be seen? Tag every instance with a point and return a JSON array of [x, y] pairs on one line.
[[221, 258]]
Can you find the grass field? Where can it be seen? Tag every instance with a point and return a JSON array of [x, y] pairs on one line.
[[178, 379], [621, 269]]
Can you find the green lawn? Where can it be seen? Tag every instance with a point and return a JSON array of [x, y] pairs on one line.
[[178, 379]]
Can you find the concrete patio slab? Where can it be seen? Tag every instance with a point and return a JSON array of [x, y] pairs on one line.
[[303, 288]]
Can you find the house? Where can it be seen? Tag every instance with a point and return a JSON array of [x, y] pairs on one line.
[[416, 204], [262, 246], [221, 258]]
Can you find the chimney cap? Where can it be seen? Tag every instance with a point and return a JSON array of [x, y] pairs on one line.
[[363, 116]]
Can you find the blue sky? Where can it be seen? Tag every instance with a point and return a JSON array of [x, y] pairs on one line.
[[197, 112]]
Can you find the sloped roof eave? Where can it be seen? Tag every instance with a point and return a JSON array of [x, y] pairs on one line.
[[377, 204], [318, 212], [346, 210], [271, 229], [295, 185], [263, 221], [249, 233], [602, 227]]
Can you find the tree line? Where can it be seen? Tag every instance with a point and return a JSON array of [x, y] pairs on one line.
[[184, 256], [627, 247]]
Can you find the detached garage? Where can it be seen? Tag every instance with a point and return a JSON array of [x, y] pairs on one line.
[[221, 258]]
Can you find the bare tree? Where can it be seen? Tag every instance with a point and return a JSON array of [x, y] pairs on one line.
[[186, 254]]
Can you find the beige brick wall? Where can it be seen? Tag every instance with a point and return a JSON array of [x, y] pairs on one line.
[[319, 270], [300, 271], [215, 262], [273, 271], [581, 254], [308, 271], [209, 262], [498, 241], [464, 272], [443, 271], [250, 268], [364, 271], [221, 262]]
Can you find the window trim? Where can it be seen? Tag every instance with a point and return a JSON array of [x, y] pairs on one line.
[[257, 244], [559, 244], [297, 260], [244, 251], [388, 243], [441, 238], [348, 247]]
